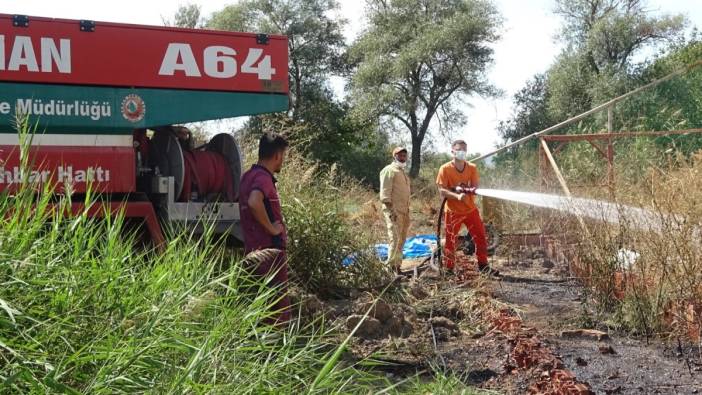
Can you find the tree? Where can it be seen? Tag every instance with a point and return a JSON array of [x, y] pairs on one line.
[[672, 105], [610, 32], [317, 123], [572, 84], [315, 38], [187, 16], [602, 38], [323, 131], [416, 59], [529, 110]]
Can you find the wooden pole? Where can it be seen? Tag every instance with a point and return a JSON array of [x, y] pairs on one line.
[[562, 181], [610, 168], [555, 168], [543, 187], [610, 152]]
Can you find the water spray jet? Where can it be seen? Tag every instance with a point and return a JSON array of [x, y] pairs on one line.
[[614, 213]]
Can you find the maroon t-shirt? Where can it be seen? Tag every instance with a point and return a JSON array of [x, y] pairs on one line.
[[258, 178]]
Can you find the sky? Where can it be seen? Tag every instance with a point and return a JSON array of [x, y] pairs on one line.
[[527, 46]]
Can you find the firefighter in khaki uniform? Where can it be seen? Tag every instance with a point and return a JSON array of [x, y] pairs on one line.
[[395, 196]]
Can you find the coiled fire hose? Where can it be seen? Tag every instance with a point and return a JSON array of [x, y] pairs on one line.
[[206, 173]]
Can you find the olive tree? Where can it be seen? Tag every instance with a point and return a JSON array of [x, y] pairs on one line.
[[416, 59], [315, 39]]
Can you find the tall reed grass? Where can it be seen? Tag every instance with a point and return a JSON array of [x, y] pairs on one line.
[[660, 290], [84, 310]]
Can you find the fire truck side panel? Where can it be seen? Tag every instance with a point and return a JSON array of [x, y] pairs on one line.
[[66, 108], [101, 168], [113, 54]]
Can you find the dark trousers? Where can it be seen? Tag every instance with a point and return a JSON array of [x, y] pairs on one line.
[[279, 266]]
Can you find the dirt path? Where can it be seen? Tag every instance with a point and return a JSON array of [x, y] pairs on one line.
[[550, 303]]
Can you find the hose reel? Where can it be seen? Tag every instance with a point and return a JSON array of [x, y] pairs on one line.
[[212, 171]]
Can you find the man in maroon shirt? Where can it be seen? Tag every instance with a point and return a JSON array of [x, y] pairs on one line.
[[262, 217]]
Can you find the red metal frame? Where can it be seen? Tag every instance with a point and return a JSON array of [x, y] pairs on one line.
[[606, 136], [606, 152]]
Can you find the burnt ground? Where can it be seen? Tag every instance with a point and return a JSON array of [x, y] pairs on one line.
[[506, 335], [449, 324], [547, 300], [541, 293]]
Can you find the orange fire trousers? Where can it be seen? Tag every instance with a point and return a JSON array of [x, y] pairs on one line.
[[453, 222]]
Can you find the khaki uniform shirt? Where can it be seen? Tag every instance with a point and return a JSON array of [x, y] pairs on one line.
[[395, 188]]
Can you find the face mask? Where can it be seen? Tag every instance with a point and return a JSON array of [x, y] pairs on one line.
[[460, 155], [401, 165]]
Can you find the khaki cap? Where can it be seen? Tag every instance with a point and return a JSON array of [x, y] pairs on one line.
[[397, 150]]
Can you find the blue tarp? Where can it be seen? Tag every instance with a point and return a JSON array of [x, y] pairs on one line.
[[419, 246]]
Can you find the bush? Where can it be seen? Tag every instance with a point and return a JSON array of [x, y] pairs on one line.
[[316, 203]]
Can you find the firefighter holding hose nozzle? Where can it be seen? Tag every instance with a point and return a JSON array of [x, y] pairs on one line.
[[457, 181]]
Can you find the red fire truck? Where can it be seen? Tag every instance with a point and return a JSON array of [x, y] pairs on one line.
[[105, 96]]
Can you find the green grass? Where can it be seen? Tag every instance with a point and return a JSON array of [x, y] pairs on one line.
[[82, 310]]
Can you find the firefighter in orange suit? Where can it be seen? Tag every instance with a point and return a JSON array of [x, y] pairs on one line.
[[457, 181]]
